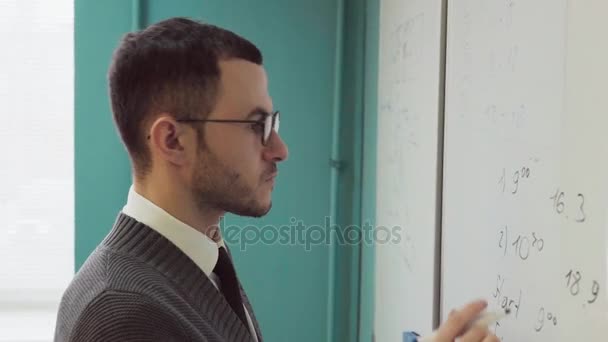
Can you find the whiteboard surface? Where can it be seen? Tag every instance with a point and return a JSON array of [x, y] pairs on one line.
[[526, 158], [408, 99]]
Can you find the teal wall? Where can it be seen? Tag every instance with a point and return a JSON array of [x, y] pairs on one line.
[[102, 169], [368, 185], [315, 55]]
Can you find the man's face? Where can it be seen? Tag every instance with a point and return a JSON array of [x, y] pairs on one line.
[[234, 171]]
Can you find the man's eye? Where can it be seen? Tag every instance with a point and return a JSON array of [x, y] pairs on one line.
[[258, 127]]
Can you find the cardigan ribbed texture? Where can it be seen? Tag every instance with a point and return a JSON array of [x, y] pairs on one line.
[[138, 286]]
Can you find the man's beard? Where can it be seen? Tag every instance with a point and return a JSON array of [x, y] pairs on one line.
[[217, 186]]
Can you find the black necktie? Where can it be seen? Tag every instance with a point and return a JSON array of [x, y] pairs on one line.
[[229, 284]]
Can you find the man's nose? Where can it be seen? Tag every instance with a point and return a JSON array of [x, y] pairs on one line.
[[276, 149]]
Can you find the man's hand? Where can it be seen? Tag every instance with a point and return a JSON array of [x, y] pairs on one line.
[[457, 322]]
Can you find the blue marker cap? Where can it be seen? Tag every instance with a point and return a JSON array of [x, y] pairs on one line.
[[410, 336]]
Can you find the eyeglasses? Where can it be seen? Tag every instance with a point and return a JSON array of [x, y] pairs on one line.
[[264, 126]]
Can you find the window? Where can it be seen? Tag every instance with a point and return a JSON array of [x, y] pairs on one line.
[[36, 164]]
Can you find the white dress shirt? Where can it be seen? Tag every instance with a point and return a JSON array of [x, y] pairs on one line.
[[202, 250]]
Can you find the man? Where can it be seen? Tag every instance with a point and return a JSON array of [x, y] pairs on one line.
[[191, 104]]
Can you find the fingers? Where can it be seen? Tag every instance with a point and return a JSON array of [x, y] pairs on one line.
[[458, 319], [475, 334], [471, 310], [491, 338], [479, 334]]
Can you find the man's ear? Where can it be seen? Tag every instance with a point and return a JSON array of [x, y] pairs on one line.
[[168, 140]]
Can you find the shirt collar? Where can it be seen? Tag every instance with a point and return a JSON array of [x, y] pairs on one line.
[[202, 250]]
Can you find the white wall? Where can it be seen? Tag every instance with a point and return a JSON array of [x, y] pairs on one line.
[[37, 165]]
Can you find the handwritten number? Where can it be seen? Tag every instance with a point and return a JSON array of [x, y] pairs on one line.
[[516, 182], [560, 203], [582, 219], [595, 290], [574, 287], [541, 320], [527, 248], [539, 243]]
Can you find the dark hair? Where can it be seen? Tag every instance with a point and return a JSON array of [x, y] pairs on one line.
[[171, 66]]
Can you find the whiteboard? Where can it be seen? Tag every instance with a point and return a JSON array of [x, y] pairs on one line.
[[525, 165], [407, 166]]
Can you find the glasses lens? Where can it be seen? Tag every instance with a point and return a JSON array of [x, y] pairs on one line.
[[276, 122], [267, 127]]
